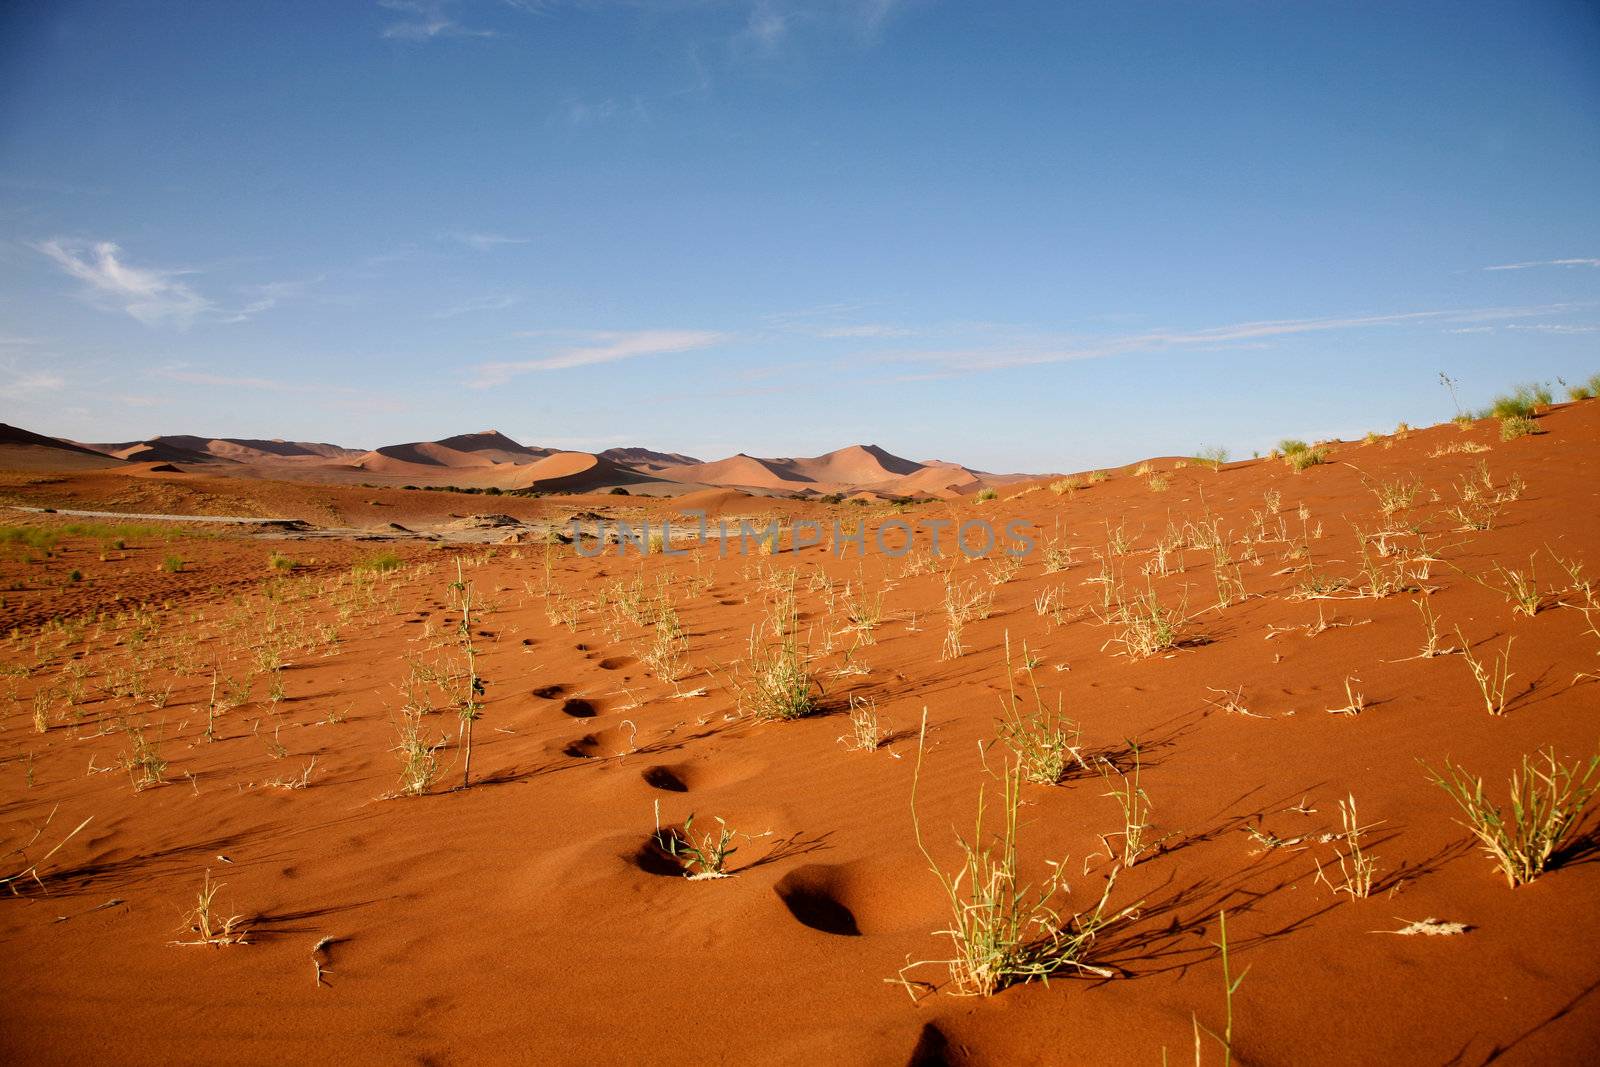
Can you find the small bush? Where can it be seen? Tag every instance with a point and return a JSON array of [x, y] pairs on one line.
[[1515, 426], [1521, 401], [279, 562], [1306, 457], [378, 563], [1213, 457], [986, 495], [172, 564]]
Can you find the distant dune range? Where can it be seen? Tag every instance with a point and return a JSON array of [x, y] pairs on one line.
[[490, 459]]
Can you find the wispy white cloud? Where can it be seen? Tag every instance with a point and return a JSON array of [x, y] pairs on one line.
[[1547, 263], [150, 294], [864, 330], [1552, 327], [424, 20], [267, 296], [766, 25], [482, 303], [590, 112], [189, 377], [479, 241], [601, 347], [25, 384], [155, 295], [946, 362]]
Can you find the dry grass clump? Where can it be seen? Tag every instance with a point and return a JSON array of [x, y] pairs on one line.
[[962, 602], [775, 681], [377, 563], [419, 760], [1584, 390], [1547, 801], [1067, 486], [1356, 868], [1521, 402], [1044, 742], [1144, 625], [1299, 455], [1136, 809], [1515, 426], [209, 928], [143, 761], [665, 655], [866, 612], [1005, 931], [1491, 675], [867, 732], [1430, 628]]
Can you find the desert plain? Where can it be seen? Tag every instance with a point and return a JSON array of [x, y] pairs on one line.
[[420, 770]]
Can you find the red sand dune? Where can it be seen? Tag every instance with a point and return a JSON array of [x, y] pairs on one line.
[[486, 458], [529, 918], [713, 501], [494, 445], [25, 450]]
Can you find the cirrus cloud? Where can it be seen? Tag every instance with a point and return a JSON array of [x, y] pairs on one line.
[[601, 347]]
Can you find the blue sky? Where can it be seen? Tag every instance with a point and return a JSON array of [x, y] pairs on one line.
[[1025, 236]]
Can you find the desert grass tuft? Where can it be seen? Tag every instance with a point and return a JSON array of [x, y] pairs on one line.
[[1043, 741], [774, 682], [1357, 868], [1005, 931], [867, 732], [206, 927], [1547, 801], [1491, 675], [703, 859], [1515, 426], [1135, 804], [419, 760]]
